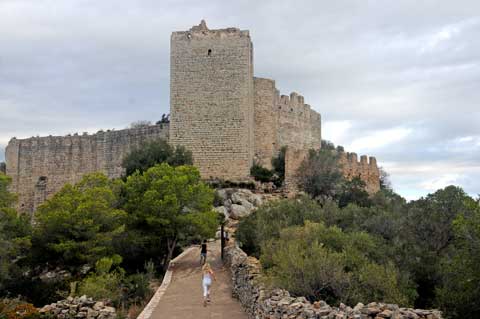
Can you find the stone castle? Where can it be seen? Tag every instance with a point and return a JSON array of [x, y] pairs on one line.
[[222, 113]]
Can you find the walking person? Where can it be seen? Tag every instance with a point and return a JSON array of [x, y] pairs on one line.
[[203, 252], [207, 276]]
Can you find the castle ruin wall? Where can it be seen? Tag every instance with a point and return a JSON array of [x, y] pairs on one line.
[[366, 169], [282, 120], [41, 166]]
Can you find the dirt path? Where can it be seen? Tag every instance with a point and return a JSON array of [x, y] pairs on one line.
[[183, 298]]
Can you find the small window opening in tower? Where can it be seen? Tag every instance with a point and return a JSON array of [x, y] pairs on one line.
[[209, 52]]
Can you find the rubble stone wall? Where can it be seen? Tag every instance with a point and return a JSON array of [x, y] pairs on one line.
[[40, 166], [262, 303]]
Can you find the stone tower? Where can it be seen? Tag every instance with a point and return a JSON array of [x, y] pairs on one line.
[[211, 99]]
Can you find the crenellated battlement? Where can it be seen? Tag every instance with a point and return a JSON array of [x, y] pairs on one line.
[[282, 120], [366, 168]]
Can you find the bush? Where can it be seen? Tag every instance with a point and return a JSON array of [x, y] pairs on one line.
[[260, 173], [278, 165], [267, 222], [320, 175], [321, 262], [105, 283], [156, 152], [17, 309]]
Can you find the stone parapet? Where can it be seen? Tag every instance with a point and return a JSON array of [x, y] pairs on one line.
[[366, 169], [262, 303]]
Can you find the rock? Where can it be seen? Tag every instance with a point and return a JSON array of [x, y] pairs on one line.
[[92, 313], [108, 310], [238, 198], [238, 211], [385, 314], [82, 299], [98, 305], [85, 269], [222, 193], [228, 203], [256, 200], [358, 307], [222, 210], [46, 308]]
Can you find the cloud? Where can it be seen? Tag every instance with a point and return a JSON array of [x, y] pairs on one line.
[[398, 80], [380, 139]]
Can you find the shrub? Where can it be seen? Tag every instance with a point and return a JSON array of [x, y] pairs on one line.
[[321, 262], [17, 309], [320, 175], [278, 165], [260, 173], [267, 222], [156, 152], [106, 282]]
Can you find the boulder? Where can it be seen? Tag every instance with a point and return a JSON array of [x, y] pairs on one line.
[[222, 210], [222, 193], [238, 211]]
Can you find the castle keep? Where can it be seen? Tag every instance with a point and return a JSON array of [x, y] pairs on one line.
[[222, 113]]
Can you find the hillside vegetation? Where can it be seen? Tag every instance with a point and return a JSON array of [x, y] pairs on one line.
[[338, 244]]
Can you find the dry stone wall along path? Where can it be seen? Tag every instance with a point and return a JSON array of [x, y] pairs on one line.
[[183, 298]]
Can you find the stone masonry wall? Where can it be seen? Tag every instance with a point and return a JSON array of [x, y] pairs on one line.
[[282, 120], [366, 169], [211, 99], [266, 121], [40, 166], [262, 303]]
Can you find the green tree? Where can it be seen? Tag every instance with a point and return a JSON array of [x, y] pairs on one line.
[[155, 152], [320, 175], [171, 205], [80, 223], [384, 179], [459, 291], [426, 235], [7, 199], [353, 192], [15, 232]]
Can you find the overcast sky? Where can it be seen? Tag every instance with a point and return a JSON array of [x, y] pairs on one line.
[[399, 80]]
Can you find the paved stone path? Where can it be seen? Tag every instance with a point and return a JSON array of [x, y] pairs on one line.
[[183, 298]]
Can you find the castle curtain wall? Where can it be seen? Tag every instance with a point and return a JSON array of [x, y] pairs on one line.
[[40, 166], [282, 121]]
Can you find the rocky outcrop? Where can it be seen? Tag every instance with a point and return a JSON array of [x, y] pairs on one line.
[[79, 307], [237, 203], [262, 303]]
